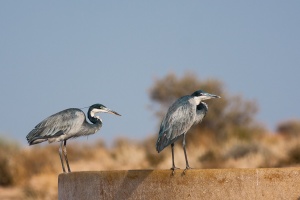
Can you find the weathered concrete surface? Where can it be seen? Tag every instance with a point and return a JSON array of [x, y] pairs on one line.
[[283, 183]]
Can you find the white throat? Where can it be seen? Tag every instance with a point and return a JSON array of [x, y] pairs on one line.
[[201, 98], [197, 99], [94, 112]]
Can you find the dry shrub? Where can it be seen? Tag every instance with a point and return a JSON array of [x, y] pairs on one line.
[[294, 153], [41, 187], [210, 159], [129, 154], [77, 151], [241, 149], [153, 158], [35, 160], [289, 128], [8, 150], [292, 157]]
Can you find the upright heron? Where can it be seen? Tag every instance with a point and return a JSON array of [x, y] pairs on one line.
[[181, 116], [66, 124]]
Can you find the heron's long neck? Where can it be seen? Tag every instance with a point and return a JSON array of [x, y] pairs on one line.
[[201, 111], [202, 106], [88, 128], [93, 119]]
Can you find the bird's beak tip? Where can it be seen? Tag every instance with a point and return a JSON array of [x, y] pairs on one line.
[[214, 96], [115, 113]]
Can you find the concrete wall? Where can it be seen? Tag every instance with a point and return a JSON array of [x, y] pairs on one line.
[[283, 183]]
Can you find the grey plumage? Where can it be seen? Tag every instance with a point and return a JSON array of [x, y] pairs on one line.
[[181, 116], [62, 126], [66, 124]]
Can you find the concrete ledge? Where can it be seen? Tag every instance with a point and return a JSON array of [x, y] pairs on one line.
[[282, 183]]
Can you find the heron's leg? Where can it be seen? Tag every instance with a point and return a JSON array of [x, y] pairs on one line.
[[186, 159], [173, 163], [61, 158], [65, 154]]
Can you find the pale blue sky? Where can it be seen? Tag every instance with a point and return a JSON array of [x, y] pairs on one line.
[[55, 55]]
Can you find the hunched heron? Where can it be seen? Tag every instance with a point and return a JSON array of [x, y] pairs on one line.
[[181, 116], [66, 124]]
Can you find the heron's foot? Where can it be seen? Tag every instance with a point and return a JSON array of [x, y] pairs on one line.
[[187, 167], [173, 169]]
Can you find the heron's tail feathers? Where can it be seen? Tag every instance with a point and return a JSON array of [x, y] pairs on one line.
[[37, 136], [36, 141], [32, 137], [161, 143]]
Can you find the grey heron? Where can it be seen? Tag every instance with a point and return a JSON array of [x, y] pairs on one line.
[[181, 116], [66, 124]]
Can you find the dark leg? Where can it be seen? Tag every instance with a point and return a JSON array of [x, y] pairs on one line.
[[61, 158], [65, 154], [186, 159], [173, 163]]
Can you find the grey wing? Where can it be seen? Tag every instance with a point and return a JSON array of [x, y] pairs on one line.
[[64, 122], [178, 120]]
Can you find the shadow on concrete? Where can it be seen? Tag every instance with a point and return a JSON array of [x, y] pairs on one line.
[[131, 182]]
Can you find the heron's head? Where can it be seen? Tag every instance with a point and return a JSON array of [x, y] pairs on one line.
[[200, 95], [97, 108]]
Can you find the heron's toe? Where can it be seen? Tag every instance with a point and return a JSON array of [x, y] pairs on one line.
[[187, 167], [173, 169]]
